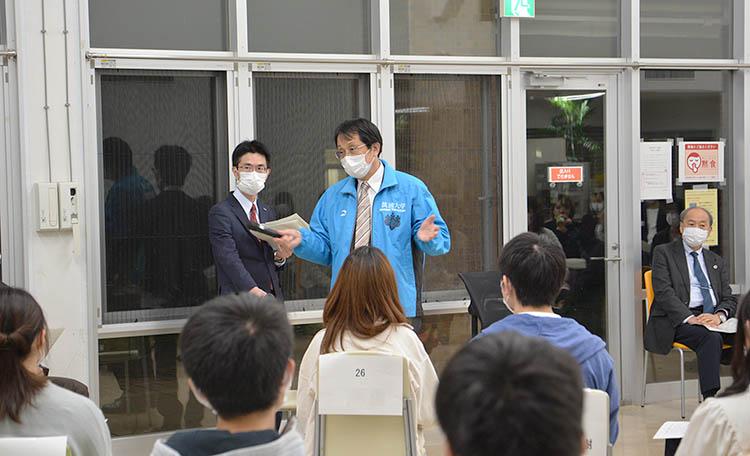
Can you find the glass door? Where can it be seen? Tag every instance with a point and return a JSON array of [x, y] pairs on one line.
[[571, 150]]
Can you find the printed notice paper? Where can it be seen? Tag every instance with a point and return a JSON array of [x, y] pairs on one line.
[[708, 199], [656, 170], [360, 384]]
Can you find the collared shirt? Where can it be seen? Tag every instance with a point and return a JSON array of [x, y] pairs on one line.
[[247, 204], [375, 182], [696, 298], [542, 314]]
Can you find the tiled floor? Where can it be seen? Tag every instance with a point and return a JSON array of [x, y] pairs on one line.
[[637, 428]]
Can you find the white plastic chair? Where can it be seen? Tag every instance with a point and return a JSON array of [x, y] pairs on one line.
[[364, 406], [596, 422], [37, 446]]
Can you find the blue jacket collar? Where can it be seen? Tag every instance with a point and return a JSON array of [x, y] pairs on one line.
[[389, 180]]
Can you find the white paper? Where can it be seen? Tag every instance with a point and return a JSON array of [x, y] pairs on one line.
[[293, 222], [656, 170], [34, 445], [729, 327], [672, 430], [360, 384]]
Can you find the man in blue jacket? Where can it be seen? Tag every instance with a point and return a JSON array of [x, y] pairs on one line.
[[376, 206], [533, 271]]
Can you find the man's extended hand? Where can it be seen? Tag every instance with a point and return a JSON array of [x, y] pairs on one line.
[[288, 241], [705, 319], [428, 230]]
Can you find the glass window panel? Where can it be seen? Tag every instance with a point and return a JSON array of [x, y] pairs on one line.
[[296, 115], [695, 106], [445, 27], [155, 200], [448, 135], [686, 29], [320, 26], [3, 24], [197, 25], [572, 28], [567, 128]]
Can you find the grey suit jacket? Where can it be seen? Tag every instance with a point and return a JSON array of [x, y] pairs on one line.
[[671, 280]]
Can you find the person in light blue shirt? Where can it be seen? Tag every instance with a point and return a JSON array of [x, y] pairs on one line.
[[533, 271], [376, 206]]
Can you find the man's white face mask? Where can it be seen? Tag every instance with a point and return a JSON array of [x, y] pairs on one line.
[[694, 236], [356, 165], [251, 183]]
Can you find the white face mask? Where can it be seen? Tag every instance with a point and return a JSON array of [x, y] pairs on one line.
[[251, 183], [356, 165], [694, 236], [597, 207], [506, 299]]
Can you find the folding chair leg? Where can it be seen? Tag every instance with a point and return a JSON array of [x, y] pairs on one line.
[[682, 384], [645, 370]]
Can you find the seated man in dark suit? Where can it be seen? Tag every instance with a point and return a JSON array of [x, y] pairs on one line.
[[691, 287], [243, 262]]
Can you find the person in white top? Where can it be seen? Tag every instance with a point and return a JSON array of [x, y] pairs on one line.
[[363, 313], [721, 425], [31, 406]]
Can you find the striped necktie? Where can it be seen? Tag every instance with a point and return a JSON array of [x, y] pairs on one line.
[[364, 217]]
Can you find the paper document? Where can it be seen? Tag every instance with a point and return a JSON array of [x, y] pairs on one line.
[[293, 222], [672, 430], [729, 327]]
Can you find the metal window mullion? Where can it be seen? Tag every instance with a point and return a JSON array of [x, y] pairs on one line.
[[241, 28], [514, 169], [381, 28], [630, 30], [386, 110], [741, 168]]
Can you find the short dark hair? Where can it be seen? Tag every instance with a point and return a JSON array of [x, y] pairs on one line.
[[535, 267], [368, 132], [235, 348], [499, 387], [250, 147], [172, 163], [685, 212]]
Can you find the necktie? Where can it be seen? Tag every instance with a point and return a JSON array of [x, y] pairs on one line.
[[253, 214], [364, 217], [708, 303]]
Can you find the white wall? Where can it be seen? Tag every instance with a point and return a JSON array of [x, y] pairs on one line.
[[53, 274]]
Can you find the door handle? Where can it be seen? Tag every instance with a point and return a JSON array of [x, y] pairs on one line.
[[613, 259]]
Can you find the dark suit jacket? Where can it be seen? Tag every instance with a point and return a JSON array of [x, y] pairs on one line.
[[242, 261], [671, 279]]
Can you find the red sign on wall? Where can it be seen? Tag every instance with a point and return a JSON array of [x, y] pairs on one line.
[[565, 174]]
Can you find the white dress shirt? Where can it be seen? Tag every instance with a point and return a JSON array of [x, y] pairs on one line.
[[696, 298], [247, 204], [374, 182]]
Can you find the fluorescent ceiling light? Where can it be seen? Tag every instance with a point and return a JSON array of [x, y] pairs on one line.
[[580, 96]]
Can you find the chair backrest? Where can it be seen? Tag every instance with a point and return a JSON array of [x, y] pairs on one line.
[[486, 298], [648, 280], [596, 422], [38, 446], [364, 405]]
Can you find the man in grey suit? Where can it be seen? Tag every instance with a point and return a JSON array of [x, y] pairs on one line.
[[692, 293]]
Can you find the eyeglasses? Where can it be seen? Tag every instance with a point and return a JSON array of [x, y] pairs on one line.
[[341, 153], [251, 168]]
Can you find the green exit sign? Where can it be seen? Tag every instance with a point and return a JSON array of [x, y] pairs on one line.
[[519, 8]]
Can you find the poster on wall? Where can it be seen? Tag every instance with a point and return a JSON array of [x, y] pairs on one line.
[[708, 199], [656, 170], [701, 162]]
